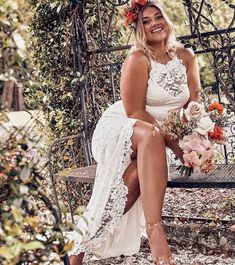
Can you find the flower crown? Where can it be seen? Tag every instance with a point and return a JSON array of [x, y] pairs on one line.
[[132, 11]]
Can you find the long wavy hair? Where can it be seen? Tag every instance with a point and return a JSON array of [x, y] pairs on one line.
[[140, 37]]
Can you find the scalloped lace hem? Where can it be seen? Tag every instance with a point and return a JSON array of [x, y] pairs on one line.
[[116, 204]]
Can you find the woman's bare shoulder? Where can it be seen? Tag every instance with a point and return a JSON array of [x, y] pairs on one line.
[[185, 53], [137, 58]]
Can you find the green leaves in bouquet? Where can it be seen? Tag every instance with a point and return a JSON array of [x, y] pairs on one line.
[[186, 171]]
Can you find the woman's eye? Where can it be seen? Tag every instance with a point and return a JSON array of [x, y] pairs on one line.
[[145, 22], [159, 17]]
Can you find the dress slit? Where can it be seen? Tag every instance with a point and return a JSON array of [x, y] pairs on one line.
[[113, 209]]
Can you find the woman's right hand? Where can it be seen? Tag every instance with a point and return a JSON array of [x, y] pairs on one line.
[[174, 146]]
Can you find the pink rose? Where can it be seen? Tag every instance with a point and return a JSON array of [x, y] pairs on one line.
[[194, 110]]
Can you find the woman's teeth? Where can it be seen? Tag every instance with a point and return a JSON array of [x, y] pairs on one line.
[[157, 30]]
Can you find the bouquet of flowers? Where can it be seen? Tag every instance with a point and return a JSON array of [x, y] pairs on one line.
[[197, 130]]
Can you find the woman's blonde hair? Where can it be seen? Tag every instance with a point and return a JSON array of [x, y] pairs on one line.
[[140, 37]]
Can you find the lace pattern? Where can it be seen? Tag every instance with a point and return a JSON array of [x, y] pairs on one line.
[[171, 76], [115, 205]]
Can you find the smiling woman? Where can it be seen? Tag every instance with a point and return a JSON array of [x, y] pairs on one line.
[[158, 76]]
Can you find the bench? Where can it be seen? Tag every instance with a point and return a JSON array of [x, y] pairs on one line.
[[222, 177], [72, 148]]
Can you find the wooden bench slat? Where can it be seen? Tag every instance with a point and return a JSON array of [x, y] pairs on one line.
[[222, 177], [222, 173], [81, 174]]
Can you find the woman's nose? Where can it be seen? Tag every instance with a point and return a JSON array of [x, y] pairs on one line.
[[154, 22]]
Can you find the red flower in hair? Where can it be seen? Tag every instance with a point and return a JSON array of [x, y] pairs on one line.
[[131, 12], [141, 2]]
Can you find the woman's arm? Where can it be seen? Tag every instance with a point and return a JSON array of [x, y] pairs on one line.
[[133, 85], [193, 75]]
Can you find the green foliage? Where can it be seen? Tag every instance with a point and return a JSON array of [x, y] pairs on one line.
[[29, 227], [53, 51], [13, 58]]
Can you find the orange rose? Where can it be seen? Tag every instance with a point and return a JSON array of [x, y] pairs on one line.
[[217, 106], [217, 134]]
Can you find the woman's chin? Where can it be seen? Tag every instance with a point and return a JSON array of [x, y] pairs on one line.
[[156, 40]]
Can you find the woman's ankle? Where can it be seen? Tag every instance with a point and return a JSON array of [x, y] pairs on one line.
[[151, 227]]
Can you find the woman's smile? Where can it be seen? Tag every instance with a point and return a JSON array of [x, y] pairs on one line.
[[157, 30]]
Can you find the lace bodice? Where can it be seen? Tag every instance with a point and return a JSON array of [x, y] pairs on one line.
[[167, 88]]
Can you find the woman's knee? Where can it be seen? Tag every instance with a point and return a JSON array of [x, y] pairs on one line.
[[144, 131]]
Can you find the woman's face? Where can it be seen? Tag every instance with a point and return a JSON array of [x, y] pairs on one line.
[[155, 25]]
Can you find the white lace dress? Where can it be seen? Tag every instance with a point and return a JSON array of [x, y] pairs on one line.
[[106, 231]]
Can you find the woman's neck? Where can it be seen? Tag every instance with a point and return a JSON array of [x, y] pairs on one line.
[[160, 52]]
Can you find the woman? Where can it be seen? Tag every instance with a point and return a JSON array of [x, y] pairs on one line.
[[157, 76]]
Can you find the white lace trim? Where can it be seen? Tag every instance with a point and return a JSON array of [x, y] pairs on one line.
[[116, 203]]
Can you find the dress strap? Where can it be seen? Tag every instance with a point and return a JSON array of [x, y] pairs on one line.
[[172, 53], [174, 56]]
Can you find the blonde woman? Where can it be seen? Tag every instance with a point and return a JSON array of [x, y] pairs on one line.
[[158, 76]]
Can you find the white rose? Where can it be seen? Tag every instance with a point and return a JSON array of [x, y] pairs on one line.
[[205, 125]]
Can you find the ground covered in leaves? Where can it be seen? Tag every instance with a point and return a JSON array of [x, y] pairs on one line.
[[202, 218], [208, 203], [182, 257]]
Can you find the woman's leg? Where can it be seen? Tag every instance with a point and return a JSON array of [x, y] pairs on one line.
[[76, 260], [152, 174], [132, 182], [142, 138]]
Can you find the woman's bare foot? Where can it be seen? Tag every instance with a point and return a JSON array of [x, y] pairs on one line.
[[76, 260], [160, 250]]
